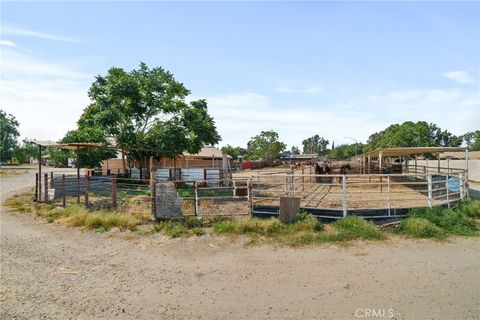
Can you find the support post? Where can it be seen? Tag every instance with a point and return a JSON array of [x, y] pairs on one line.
[[380, 162], [250, 194], [114, 193], [51, 179], [466, 165], [86, 182], [448, 191], [438, 162], [344, 195], [78, 174], [430, 193], [293, 182], [462, 189], [388, 194], [153, 191], [37, 198], [303, 179], [234, 189], [64, 196], [46, 187], [195, 198]]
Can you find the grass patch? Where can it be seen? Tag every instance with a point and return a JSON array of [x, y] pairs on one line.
[[471, 208], [181, 227], [421, 228], [441, 222], [307, 230]]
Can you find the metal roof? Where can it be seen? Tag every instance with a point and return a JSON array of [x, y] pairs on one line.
[[404, 151], [68, 146]]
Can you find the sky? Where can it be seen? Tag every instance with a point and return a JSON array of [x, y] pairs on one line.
[[343, 70]]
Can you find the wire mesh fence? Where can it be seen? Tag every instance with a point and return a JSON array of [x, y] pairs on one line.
[[372, 195]]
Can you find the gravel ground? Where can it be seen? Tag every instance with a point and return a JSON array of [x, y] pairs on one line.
[[52, 272]]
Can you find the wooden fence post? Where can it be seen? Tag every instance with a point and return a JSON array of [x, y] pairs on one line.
[[114, 193], [36, 188], [430, 193], [46, 187], [153, 191], [51, 179], [86, 188], [289, 208], [344, 195], [195, 198], [40, 188], [250, 195], [63, 191], [388, 192]]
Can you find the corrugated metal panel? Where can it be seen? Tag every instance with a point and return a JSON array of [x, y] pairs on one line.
[[162, 174], [192, 174], [135, 173]]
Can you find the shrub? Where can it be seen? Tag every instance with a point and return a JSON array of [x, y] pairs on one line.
[[455, 222], [470, 208], [420, 228], [353, 227]]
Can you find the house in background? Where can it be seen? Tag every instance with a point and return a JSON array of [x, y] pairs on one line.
[[208, 157]]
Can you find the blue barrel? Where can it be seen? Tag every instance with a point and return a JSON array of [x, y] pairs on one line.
[[453, 185]]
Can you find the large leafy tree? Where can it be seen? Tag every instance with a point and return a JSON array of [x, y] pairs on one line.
[[234, 152], [265, 146], [8, 135], [315, 144], [87, 157], [472, 140], [412, 134], [145, 114], [25, 150], [345, 151]]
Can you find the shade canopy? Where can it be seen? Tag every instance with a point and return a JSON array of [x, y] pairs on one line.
[[69, 146]]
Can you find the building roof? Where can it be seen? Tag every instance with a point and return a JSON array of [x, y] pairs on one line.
[[397, 152], [207, 152]]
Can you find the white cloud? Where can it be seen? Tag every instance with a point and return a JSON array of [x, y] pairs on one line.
[[46, 98], [313, 89], [241, 116], [15, 31], [7, 43], [461, 77]]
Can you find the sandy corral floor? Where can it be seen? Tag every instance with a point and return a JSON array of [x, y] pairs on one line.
[[52, 272]]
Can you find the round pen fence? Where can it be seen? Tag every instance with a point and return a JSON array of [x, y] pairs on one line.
[[367, 195], [323, 195]]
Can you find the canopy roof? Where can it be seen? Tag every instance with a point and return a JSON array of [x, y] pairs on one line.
[[397, 152], [69, 146]]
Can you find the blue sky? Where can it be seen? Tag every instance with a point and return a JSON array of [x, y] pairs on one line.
[[339, 69]]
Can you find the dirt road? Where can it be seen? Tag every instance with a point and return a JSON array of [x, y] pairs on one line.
[[51, 272]]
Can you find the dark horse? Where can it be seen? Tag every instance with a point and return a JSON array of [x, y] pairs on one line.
[[323, 168]]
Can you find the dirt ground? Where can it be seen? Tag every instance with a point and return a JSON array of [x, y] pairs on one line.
[[52, 272]]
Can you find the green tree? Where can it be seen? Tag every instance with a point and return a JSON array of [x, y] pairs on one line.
[[235, 152], [295, 150], [472, 140], [265, 146], [315, 144], [25, 150], [8, 135], [87, 157], [345, 151], [144, 112], [412, 134]]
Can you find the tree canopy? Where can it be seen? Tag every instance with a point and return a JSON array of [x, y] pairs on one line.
[[412, 134], [265, 146], [315, 144], [145, 114], [8, 135], [234, 152]]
